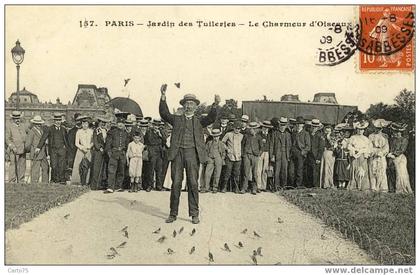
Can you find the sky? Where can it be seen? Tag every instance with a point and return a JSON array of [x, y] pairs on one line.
[[244, 62]]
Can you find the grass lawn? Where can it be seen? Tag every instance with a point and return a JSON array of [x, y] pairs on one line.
[[387, 217], [26, 201]]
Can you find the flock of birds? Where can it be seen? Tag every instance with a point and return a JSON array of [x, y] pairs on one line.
[[126, 80], [113, 251]]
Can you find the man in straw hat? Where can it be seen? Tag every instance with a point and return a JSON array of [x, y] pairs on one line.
[[39, 161], [301, 145], [216, 152], [15, 141], [264, 159], [313, 163], [57, 147], [187, 148], [154, 140], [280, 146], [251, 152]]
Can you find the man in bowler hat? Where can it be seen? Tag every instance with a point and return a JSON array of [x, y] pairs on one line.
[[187, 149]]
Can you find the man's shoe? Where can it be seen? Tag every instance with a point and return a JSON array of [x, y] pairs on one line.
[[170, 219], [258, 191], [242, 192], [195, 220], [149, 189], [109, 190], [223, 191], [253, 192], [120, 190]]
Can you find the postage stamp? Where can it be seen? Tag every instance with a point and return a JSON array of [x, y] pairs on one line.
[[386, 39]]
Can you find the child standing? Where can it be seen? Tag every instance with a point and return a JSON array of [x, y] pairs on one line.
[[216, 153], [342, 165], [135, 161]]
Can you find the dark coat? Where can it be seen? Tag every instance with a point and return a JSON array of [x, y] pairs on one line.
[[98, 140], [317, 145], [280, 142], [56, 139], [179, 122]]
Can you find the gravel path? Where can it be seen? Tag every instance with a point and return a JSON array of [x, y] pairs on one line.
[[95, 221]]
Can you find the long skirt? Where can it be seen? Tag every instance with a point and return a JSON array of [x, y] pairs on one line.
[[359, 174], [75, 176], [377, 174], [402, 183], [168, 179], [327, 170]]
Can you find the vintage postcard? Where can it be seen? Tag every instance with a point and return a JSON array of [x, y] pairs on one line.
[[278, 135]]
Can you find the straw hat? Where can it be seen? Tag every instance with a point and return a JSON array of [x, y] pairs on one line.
[[16, 114], [253, 125], [245, 118], [380, 123], [189, 97], [37, 120], [399, 127], [215, 132], [266, 124], [361, 125]]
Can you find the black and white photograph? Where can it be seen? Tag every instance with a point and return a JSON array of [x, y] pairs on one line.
[[210, 135]]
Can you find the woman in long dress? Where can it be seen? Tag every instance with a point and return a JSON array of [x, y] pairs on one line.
[[377, 160], [84, 144], [359, 147], [328, 159], [398, 146]]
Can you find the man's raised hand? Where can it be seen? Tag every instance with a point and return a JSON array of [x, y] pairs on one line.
[[163, 89], [217, 99]]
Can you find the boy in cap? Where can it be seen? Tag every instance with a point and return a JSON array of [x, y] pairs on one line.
[[58, 145], [15, 140], [216, 153]]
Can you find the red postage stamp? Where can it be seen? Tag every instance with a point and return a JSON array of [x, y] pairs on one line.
[[386, 38]]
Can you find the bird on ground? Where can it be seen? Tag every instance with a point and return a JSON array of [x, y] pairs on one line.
[[226, 247], [110, 256], [178, 85], [122, 245], [156, 231], [124, 228], [323, 237], [114, 251], [192, 250], [174, 234], [259, 251], [180, 230], [279, 220], [254, 259], [170, 251], [125, 234], [133, 202], [192, 232], [278, 263], [67, 216], [240, 244], [126, 81], [254, 253], [161, 239], [257, 235], [211, 258], [244, 231]]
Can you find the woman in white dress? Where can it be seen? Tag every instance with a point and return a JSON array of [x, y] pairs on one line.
[[360, 148], [377, 161], [84, 144]]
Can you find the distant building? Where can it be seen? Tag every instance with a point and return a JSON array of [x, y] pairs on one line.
[[325, 98], [88, 100], [290, 98]]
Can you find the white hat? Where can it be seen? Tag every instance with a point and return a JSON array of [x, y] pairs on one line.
[[37, 120], [245, 118], [380, 123]]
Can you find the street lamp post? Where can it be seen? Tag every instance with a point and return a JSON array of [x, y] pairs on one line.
[[18, 53]]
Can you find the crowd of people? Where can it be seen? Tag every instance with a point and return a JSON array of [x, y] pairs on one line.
[[133, 153]]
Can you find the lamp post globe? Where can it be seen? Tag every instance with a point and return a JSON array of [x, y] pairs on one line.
[[18, 54]]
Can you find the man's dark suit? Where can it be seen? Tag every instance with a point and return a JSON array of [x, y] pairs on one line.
[[279, 147], [186, 158], [315, 154], [155, 140], [301, 144], [58, 145]]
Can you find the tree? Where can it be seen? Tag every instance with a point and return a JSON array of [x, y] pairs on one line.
[[403, 111]]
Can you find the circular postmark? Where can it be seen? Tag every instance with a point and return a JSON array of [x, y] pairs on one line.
[[385, 30], [338, 44]]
